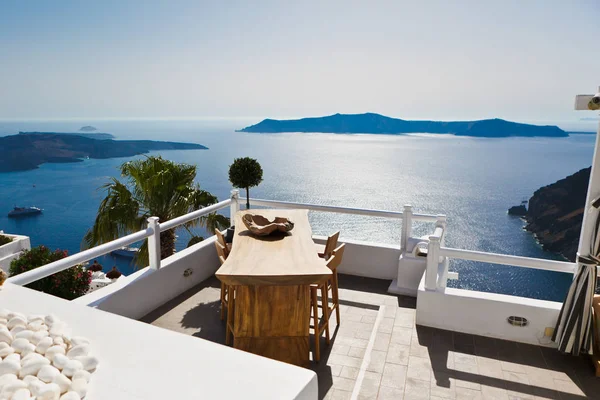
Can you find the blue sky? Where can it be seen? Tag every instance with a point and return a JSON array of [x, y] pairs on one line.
[[520, 60]]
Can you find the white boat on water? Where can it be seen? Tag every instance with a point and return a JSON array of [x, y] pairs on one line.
[[126, 252], [23, 211]]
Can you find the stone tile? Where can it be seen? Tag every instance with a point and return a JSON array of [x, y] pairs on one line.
[[340, 349], [464, 358], [404, 320], [416, 389], [490, 367], [335, 370], [388, 393], [390, 309], [366, 335], [463, 338], [386, 325], [468, 394], [349, 372], [418, 350], [340, 395], [369, 319], [515, 377], [398, 354], [351, 317], [356, 352], [512, 395], [568, 387], [493, 393], [370, 386], [345, 384], [394, 376], [467, 375], [443, 386], [382, 341], [401, 335], [377, 361], [419, 368], [513, 367], [338, 359]]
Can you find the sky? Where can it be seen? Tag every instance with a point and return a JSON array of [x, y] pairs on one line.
[[521, 60]]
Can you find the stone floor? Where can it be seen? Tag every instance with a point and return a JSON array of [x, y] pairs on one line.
[[377, 352]]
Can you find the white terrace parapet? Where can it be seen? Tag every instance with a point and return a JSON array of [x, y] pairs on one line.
[[12, 250]]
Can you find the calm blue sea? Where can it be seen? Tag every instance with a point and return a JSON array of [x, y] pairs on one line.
[[472, 181]]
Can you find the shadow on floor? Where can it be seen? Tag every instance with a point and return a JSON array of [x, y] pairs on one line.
[[476, 361]]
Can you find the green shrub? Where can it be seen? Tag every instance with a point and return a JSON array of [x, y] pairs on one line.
[[4, 240], [68, 284]]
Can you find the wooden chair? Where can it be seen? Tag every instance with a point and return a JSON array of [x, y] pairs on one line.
[[221, 240], [319, 326], [227, 298], [330, 245]]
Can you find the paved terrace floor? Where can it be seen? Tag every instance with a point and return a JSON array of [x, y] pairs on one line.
[[378, 352]]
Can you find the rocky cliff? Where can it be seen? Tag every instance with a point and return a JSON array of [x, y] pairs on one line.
[[556, 211]]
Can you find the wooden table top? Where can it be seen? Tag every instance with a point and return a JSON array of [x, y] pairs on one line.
[[286, 259]]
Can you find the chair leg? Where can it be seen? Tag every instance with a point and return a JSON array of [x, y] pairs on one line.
[[230, 314], [315, 307], [325, 308], [335, 297], [223, 290]]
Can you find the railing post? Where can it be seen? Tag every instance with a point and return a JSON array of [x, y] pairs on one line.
[[406, 227], [234, 207], [433, 260], [441, 223], [154, 243]]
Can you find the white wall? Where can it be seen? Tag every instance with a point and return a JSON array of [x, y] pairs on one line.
[[12, 250], [485, 314], [373, 260], [147, 289]]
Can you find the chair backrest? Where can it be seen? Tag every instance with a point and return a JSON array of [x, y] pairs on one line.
[[220, 251], [331, 244], [336, 258], [221, 241]]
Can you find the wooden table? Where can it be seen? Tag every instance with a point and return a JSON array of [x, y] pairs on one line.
[[272, 276]]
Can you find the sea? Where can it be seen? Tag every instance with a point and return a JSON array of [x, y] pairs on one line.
[[471, 180]]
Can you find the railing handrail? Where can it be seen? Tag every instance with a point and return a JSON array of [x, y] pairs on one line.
[[507, 259], [341, 210], [78, 258], [172, 223]]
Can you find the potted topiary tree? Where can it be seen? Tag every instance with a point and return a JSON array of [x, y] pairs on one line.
[[68, 284], [245, 173]]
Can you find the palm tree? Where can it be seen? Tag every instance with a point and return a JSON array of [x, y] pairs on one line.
[[211, 222], [154, 187]]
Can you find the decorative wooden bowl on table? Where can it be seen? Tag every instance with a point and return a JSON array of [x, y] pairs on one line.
[[261, 226]]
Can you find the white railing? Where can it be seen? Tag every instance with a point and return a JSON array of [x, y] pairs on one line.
[[152, 232]]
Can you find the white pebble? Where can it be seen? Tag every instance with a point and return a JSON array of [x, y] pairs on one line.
[[30, 378], [20, 345], [89, 362], [59, 340], [50, 319], [47, 373], [54, 350], [43, 345], [13, 357], [4, 313], [70, 396], [32, 357], [77, 340], [5, 336], [72, 367], [9, 367], [5, 349], [11, 387], [16, 321], [78, 351], [12, 314], [80, 387], [35, 317], [17, 329], [60, 360], [50, 391], [21, 394], [33, 367], [58, 329], [26, 334], [35, 386], [37, 336], [82, 374], [6, 378], [3, 321], [63, 382]]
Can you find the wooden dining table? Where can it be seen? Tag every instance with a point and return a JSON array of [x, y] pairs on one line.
[[272, 276]]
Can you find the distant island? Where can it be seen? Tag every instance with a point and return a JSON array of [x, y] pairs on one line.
[[555, 213], [380, 124], [28, 150], [88, 128], [98, 135]]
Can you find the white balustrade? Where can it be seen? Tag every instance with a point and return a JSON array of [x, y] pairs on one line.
[[154, 244], [234, 206], [406, 227]]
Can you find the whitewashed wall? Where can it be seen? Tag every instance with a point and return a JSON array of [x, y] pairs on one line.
[[485, 314], [12, 250], [146, 290]]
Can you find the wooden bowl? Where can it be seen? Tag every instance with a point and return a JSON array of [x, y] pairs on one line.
[[261, 226]]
